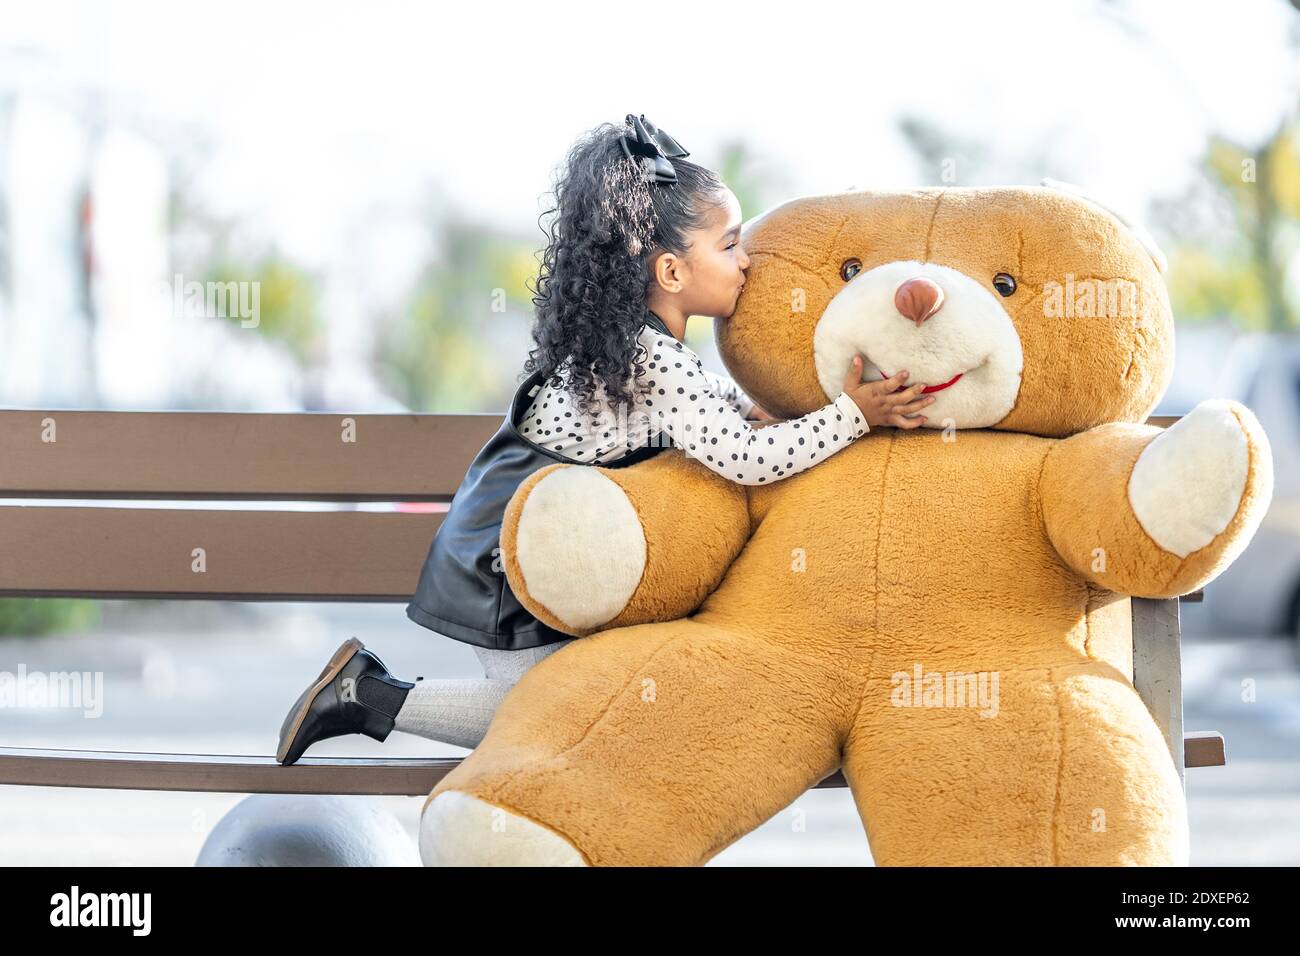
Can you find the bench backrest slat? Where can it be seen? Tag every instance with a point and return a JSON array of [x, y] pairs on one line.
[[238, 455], [246, 555]]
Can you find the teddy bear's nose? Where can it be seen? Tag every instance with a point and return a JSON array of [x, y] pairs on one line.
[[918, 299]]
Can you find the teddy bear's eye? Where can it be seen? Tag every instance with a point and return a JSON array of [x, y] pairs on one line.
[[1004, 283], [850, 268]]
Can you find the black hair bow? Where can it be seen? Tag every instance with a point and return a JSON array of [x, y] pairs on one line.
[[653, 144]]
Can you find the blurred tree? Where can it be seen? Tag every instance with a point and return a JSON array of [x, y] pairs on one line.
[[288, 299], [941, 154], [755, 183], [455, 345], [1210, 281], [31, 617], [946, 158], [1235, 231], [1262, 184], [211, 248]]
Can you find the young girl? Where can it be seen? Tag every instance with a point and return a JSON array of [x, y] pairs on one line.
[[641, 240]]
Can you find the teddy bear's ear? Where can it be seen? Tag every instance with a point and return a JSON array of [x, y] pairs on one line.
[[1133, 226]]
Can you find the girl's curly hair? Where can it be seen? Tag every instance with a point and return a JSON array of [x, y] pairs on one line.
[[609, 220]]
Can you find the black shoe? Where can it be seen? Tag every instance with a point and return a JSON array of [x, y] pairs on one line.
[[354, 694]]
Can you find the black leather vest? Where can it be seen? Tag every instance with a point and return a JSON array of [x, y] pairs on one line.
[[461, 593]]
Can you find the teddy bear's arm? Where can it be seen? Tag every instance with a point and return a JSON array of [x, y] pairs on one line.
[[1154, 513], [588, 548]]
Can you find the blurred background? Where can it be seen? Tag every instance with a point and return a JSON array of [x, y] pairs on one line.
[[366, 181]]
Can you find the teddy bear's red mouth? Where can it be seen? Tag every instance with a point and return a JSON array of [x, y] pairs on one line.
[[932, 388]]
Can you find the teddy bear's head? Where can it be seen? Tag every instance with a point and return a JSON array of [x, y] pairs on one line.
[[1023, 309]]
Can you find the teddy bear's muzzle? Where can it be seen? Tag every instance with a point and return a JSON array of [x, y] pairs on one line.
[[953, 335]]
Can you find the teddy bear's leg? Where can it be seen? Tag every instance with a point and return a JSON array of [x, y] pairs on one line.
[[588, 549], [650, 745], [1058, 767]]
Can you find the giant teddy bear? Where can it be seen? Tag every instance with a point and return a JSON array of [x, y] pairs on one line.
[[741, 643]]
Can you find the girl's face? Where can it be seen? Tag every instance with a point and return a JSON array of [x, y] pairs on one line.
[[716, 262], [708, 279]]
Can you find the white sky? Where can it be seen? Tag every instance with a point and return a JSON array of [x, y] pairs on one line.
[[321, 113]]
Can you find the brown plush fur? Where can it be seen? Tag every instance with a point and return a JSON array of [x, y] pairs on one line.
[[762, 654]]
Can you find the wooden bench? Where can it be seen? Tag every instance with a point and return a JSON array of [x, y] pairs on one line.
[[268, 555]]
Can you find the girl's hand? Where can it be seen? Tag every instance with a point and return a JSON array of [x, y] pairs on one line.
[[760, 413], [881, 404]]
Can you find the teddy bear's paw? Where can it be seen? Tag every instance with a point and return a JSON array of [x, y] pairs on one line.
[[1188, 482], [580, 547], [459, 829]]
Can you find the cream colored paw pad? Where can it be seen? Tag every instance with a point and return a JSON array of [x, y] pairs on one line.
[[580, 546], [1187, 484]]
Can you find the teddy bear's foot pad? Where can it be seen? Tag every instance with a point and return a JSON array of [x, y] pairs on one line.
[[457, 829]]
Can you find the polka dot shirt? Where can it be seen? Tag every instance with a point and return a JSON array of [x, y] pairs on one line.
[[680, 404]]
